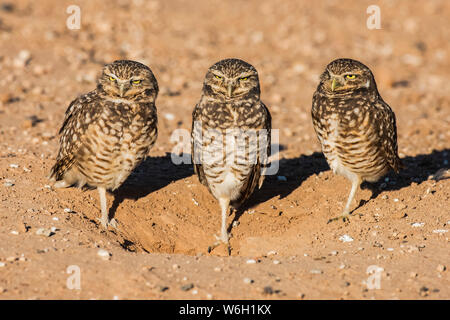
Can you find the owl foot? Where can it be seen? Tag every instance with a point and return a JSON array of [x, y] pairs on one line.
[[105, 223], [221, 240], [344, 217]]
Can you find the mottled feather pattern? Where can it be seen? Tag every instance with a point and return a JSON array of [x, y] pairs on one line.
[[105, 138], [244, 116], [364, 127], [355, 127], [107, 132]]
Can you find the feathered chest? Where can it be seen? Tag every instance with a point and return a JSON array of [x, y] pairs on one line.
[[226, 115]]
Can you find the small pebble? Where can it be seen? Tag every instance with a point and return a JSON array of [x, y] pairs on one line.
[[175, 266], [187, 287], [169, 116], [271, 253], [346, 238], [248, 281], [8, 183], [251, 261], [68, 210], [316, 271], [424, 291], [217, 269], [14, 165], [268, 290], [14, 232], [44, 232], [417, 224], [441, 268], [440, 231], [105, 255], [276, 262], [2, 264]]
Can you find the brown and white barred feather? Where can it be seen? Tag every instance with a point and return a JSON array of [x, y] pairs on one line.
[[227, 142], [358, 135], [102, 141]]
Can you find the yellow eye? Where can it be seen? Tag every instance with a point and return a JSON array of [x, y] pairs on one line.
[[217, 77], [244, 78], [112, 79], [350, 76], [136, 81]]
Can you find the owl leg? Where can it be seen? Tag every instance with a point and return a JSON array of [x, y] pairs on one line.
[[105, 219], [224, 205], [346, 213]]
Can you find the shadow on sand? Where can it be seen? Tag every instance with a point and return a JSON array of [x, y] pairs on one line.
[[416, 169], [157, 172]]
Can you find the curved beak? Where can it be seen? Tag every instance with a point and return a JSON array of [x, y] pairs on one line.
[[334, 84], [230, 88], [121, 89]]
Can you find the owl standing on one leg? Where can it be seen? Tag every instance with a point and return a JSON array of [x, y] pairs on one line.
[[107, 132], [355, 127], [230, 135]]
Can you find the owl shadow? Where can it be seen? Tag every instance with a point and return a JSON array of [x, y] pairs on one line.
[[295, 170], [416, 169], [152, 174]]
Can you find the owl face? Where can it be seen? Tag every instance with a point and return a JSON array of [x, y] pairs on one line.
[[128, 80], [231, 79], [343, 76]]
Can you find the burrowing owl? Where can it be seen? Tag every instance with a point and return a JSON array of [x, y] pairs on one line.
[[355, 126], [230, 135], [107, 132]]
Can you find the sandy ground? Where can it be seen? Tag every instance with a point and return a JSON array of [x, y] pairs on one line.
[[282, 246]]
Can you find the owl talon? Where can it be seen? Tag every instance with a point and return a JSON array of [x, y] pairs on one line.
[[218, 242], [105, 223], [344, 217]]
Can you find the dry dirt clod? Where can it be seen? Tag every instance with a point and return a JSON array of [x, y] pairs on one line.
[[187, 287], [44, 232], [103, 254], [268, 290], [441, 268]]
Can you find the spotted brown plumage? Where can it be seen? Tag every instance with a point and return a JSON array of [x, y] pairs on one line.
[[230, 135], [107, 132], [356, 128]]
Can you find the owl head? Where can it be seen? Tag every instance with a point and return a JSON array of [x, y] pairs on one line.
[[128, 80], [346, 76], [230, 79]]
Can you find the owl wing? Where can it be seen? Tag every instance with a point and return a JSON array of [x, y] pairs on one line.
[[196, 144], [81, 112], [256, 176], [388, 135], [268, 127]]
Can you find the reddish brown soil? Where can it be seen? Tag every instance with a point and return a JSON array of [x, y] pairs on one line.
[[166, 217]]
